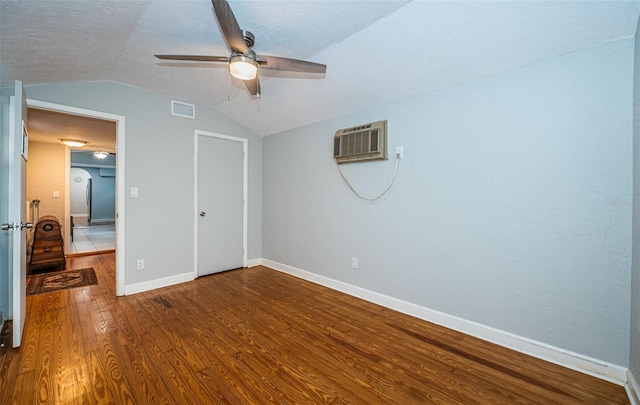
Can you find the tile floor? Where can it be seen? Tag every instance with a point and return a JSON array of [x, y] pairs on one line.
[[93, 238]]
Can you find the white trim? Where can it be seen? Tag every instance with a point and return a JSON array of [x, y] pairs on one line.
[[633, 389], [195, 204], [67, 201], [254, 262], [245, 192], [120, 170], [158, 283], [102, 220], [575, 361], [245, 206], [93, 165]]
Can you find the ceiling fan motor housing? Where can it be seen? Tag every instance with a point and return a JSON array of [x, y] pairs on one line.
[[249, 38]]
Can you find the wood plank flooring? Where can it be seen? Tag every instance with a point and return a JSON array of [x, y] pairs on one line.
[[256, 336]]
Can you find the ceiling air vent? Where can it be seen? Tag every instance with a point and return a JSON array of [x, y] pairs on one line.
[[361, 143], [183, 109]]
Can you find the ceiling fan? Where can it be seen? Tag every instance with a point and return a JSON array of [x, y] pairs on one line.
[[243, 61]]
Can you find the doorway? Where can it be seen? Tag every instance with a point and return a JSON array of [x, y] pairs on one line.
[[92, 201], [221, 202], [119, 123]]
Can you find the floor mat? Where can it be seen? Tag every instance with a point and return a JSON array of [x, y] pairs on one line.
[[60, 280]]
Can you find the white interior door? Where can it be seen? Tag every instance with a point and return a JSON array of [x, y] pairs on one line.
[[18, 143], [221, 211]]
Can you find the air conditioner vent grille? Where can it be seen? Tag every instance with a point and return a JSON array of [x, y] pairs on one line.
[[373, 144], [361, 143], [181, 109]]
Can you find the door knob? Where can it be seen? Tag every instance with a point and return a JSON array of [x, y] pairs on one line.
[[17, 225], [202, 213]]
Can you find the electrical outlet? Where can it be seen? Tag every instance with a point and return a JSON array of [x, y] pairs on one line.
[[399, 152], [354, 262], [140, 264]]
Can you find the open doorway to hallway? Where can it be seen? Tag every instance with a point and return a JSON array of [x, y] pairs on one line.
[[76, 183], [92, 200], [119, 121]]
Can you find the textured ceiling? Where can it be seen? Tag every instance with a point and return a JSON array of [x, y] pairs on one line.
[[367, 46]]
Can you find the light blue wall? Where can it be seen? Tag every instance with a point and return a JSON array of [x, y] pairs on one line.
[[634, 356], [104, 186], [103, 203], [511, 207], [159, 152]]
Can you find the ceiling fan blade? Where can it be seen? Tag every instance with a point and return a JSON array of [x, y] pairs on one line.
[[229, 26], [253, 86], [194, 58], [290, 65]]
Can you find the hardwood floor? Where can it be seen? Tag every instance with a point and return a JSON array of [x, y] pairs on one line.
[[256, 336]]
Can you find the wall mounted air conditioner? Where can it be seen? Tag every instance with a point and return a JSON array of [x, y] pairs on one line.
[[361, 143]]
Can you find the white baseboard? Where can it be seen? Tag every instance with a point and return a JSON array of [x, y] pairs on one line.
[[254, 262], [575, 361], [103, 220], [633, 389], [153, 284]]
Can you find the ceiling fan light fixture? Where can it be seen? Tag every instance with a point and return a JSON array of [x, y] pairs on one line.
[[243, 67], [73, 143], [100, 155]]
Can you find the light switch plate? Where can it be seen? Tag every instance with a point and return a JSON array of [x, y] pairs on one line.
[[134, 192]]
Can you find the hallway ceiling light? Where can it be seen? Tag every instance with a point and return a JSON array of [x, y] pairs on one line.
[[100, 155], [73, 143]]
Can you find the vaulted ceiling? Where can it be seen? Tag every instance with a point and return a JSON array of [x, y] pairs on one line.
[[376, 50]]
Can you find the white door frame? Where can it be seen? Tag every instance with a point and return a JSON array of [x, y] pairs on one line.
[[120, 134], [245, 192]]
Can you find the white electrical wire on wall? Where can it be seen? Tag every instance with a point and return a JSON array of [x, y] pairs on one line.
[[393, 180]]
